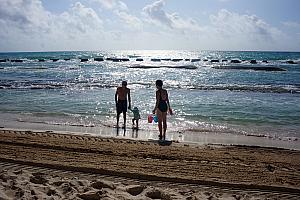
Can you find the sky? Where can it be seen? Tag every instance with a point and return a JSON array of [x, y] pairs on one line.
[[59, 25]]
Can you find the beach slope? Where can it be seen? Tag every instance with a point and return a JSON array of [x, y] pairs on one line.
[[236, 167]]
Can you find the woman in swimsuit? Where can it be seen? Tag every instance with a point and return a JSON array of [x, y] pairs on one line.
[[161, 107]]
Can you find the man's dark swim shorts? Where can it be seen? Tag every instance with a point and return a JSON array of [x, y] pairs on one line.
[[122, 106]]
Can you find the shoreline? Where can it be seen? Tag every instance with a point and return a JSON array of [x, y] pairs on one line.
[[203, 137]]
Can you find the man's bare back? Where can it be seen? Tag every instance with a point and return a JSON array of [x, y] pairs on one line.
[[121, 101], [122, 93]]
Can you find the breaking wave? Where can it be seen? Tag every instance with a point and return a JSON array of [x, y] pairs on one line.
[[98, 85]]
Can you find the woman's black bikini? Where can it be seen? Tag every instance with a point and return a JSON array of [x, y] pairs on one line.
[[162, 105]]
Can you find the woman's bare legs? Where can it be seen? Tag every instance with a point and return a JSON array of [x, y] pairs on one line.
[[159, 116], [162, 123]]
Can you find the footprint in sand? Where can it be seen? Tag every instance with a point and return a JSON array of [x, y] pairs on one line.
[[99, 184], [135, 190], [92, 194], [37, 178], [4, 177], [157, 194], [67, 188]]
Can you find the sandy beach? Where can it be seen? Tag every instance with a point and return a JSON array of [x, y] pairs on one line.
[[48, 165]]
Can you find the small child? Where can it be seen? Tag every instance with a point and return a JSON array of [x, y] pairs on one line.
[[136, 116]]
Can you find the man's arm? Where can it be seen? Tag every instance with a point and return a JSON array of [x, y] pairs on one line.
[[129, 99], [116, 97]]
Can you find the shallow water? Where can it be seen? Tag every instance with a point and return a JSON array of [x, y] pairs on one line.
[[204, 99]]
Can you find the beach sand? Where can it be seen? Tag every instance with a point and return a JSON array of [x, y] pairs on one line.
[[48, 165]]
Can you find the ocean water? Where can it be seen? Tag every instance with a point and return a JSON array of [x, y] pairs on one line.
[[209, 94]]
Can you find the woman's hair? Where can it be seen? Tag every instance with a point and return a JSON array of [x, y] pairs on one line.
[[159, 83]]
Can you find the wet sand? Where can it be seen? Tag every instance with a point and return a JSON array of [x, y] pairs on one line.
[[147, 170], [201, 136]]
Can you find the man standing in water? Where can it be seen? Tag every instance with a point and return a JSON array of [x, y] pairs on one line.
[[121, 101]]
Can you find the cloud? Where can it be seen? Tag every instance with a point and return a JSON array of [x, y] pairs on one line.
[[231, 24], [27, 25], [113, 4], [25, 15], [291, 24], [156, 13], [79, 19], [244, 30], [120, 9], [158, 16], [225, 30], [292, 29]]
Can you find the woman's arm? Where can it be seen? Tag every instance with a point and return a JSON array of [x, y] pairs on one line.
[[168, 102]]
